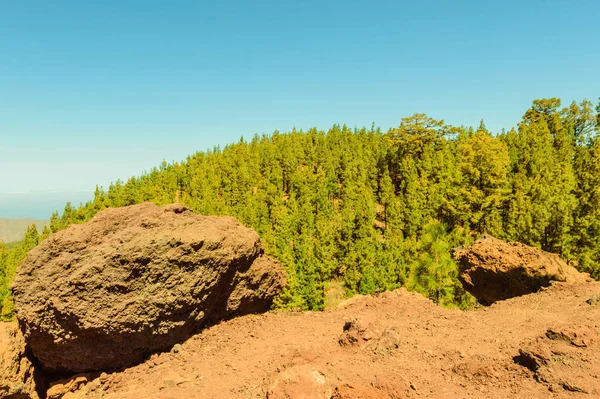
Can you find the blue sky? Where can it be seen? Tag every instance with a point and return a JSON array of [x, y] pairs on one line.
[[92, 91]]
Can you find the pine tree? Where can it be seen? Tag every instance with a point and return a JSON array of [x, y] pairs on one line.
[[433, 272], [354, 205], [482, 187], [386, 194]]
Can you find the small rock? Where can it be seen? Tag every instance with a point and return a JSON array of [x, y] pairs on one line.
[[594, 300], [357, 333], [387, 343], [534, 355], [580, 337], [60, 389], [300, 382]]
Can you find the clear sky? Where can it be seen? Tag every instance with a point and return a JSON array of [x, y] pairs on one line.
[[92, 91]]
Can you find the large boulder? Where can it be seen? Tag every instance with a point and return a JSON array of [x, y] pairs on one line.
[[18, 377], [137, 280], [493, 270]]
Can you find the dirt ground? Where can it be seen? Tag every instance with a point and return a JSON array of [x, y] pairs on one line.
[[393, 345]]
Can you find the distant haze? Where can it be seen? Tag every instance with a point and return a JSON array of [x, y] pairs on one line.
[[38, 205], [13, 229]]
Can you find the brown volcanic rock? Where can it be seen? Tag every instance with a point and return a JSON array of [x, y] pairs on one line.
[[136, 280], [564, 359], [494, 270], [18, 377]]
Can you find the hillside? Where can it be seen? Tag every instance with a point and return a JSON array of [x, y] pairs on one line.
[[12, 230], [406, 348], [159, 302], [381, 210], [102, 312]]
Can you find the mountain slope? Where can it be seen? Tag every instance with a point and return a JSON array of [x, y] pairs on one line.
[[396, 345], [14, 229], [379, 211]]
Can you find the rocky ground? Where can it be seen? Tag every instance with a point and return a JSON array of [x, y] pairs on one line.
[[396, 345], [145, 296]]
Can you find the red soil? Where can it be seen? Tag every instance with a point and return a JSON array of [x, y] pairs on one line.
[[394, 345]]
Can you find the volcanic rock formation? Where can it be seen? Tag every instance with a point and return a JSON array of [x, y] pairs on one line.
[[17, 373], [493, 270], [137, 280]]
